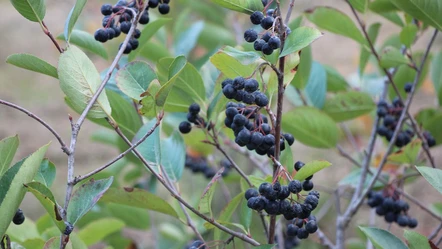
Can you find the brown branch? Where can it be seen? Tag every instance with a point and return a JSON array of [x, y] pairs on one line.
[[49, 34], [64, 148]]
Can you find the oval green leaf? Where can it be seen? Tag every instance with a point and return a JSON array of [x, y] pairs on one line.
[[134, 79], [244, 6], [311, 168], [392, 57], [12, 191], [138, 198], [316, 88], [336, 22], [433, 176], [424, 10], [86, 41], [311, 127], [85, 197], [335, 81], [79, 80], [33, 10], [382, 239], [173, 155], [436, 75], [73, 17], [99, 229], [299, 39], [46, 173], [348, 105], [416, 240], [8, 148], [33, 63], [230, 66]]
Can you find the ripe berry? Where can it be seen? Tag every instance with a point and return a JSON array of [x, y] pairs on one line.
[[267, 22], [248, 98], [117, 31], [402, 220], [239, 120], [153, 3], [19, 218], [134, 43], [302, 233], [137, 33], [292, 230], [299, 165], [106, 9], [229, 92], [265, 2], [311, 226], [261, 99], [185, 127], [382, 111], [101, 35], [266, 49], [397, 102], [125, 27], [164, 8], [256, 17], [251, 85], [412, 223], [274, 42], [251, 192], [125, 17], [110, 33], [128, 48], [272, 207], [289, 138], [390, 217], [258, 44], [264, 127], [383, 131], [407, 87], [144, 19], [389, 120], [283, 193], [108, 21], [244, 136], [295, 186], [307, 185], [194, 108], [257, 203], [238, 83], [121, 3], [198, 244]]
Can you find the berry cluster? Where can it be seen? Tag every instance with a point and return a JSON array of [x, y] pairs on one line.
[[197, 244], [301, 228], [244, 90], [390, 114], [19, 218], [200, 165], [124, 11], [269, 40], [392, 208]]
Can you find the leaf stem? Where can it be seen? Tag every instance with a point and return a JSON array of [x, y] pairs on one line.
[[49, 34]]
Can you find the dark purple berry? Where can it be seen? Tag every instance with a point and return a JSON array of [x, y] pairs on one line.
[[256, 17], [164, 8], [106, 9], [185, 127]]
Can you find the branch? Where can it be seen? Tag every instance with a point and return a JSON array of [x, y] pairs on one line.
[[435, 232], [49, 34], [64, 148], [234, 165], [289, 11], [178, 197], [135, 145], [325, 241]]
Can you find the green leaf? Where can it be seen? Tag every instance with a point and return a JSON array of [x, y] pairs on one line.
[[299, 39], [97, 230], [46, 173], [382, 239], [245, 214], [316, 87], [311, 168], [33, 63], [138, 198], [33, 243], [336, 22], [47, 200], [33, 10], [134, 79], [416, 240], [436, 75], [79, 80], [72, 18], [287, 158], [348, 105], [148, 105], [85, 197], [8, 148], [230, 66], [381, 6], [187, 39], [373, 32], [54, 243], [244, 6], [86, 41], [205, 204], [407, 154], [184, 87], [424, 10], [124, 114], [359, 5], [173, 155], [335, 81], [228, 210], [303, 74], [354, 178], [148, 31], [133, 217], [311, 127], [437, 208], [408, 35], [433, 176], [150, 148], [11, 186], [244, 57], [392, 57]]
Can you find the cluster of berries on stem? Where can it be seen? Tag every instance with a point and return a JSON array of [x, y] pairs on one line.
[[391, 207], [390, 114], [287, 200], [193, 117], [200, 165], [117, 19], [269, 40]]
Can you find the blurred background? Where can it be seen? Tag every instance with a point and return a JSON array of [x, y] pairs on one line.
[[41, 95]]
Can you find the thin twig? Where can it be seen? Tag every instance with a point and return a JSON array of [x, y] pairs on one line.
[[120, 156], [289, 11], [325, 241], [178, 197], [435, 232], [234, 165], [49, 34], [64, 148]]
